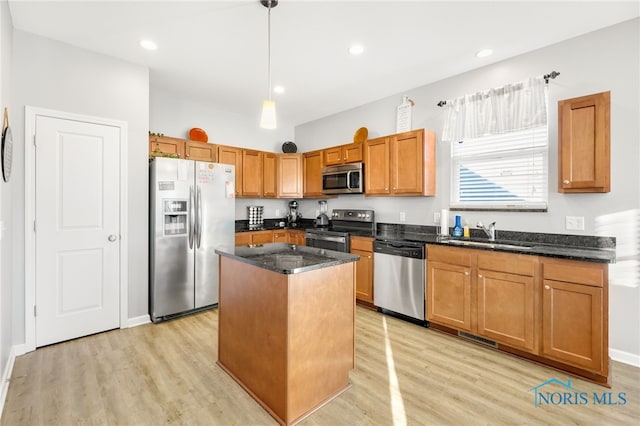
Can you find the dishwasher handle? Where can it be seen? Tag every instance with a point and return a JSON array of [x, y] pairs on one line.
[[413, 251]]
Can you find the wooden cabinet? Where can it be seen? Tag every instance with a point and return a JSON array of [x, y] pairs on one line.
[[200, 151], [232, 155], [584, 163], [164, 146], [486, 294], [574, 314], [251, 173], [401, 164], [254, 237], [281, 236], [349, 153], [289, 176], [269, 175], [312, 169], [296, 237], [363, 246]]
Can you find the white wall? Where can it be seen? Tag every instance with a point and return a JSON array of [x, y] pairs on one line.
[[6, 190], [174, 116], [604, 60], [53, 75]]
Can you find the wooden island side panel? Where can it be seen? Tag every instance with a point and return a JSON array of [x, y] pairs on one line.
[[287, 339]]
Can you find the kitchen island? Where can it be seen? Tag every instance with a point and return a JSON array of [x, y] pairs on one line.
[[286, 325]]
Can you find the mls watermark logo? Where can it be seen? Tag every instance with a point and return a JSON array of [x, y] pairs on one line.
[[568, 395]]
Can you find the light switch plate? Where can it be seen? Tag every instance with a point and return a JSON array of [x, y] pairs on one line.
[[436, 217], [403, 216], [574, 223]]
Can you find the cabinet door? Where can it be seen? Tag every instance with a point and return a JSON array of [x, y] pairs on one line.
[[573, 324], [269, 175], [449, 295], [583, 144], [364, 275], [280, 236], [352, 153], [251, 173], [312, 166], [506, 304], [232, 155], [200, 151], [406, 151], [376, 173], [289, 175], [296, 237], [333, 156], [243, 238], [163, 146], [261, 237]]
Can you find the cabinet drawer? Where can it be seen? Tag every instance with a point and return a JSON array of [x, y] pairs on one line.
[[451, 255], [362, 243], [571, 271], [508, 262]]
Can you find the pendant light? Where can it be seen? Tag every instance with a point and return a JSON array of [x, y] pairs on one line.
[[268, 120]]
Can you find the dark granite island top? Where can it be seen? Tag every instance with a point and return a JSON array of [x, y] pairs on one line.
[[288, 258]]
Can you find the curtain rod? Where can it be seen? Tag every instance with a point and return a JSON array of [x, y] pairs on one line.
[[551, 75]]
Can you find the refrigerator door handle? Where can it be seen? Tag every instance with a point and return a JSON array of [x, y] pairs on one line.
[[191, 217], [198, 217]]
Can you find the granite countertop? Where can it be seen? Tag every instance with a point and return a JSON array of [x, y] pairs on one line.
[[575, 247], [288, 258]]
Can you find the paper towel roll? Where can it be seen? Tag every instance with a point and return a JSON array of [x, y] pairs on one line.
[[444, 222]]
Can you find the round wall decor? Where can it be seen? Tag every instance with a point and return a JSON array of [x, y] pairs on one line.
[[289, 147]]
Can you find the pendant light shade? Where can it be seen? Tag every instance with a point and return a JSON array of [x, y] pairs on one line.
[[268, 119]]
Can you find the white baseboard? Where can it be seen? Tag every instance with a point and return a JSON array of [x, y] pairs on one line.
[[16, 350], [134, 322], [625, 357]]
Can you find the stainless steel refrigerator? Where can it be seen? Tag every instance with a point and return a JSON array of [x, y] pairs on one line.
[[192, 213]]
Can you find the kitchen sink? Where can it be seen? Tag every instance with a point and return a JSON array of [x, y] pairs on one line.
[[490, 244]]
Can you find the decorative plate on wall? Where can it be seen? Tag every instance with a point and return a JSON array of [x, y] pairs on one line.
[[198, 135], [289, 147], [361, 135]]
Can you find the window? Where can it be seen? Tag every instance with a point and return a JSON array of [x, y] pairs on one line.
[[502, 171]]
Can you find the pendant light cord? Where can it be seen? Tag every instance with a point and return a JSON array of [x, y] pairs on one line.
[[269, 49]]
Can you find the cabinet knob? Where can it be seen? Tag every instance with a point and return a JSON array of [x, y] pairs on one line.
[[479, 276], [566, 181], [466, 273], [546, 287]]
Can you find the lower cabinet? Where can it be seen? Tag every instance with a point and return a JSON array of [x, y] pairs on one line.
[[553, 310], [254, 237], [574, 314], [296, 237], [363, 247]]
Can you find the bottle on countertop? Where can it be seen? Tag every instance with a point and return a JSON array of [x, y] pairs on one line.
[[466, 231], [457, 229]]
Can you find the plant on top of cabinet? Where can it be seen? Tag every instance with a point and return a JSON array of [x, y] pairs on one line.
[[165, 146], [584, 163]]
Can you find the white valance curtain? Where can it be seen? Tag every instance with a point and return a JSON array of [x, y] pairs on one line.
[[513, 107]]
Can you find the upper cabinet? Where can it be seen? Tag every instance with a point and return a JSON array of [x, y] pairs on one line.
[[269, 175], [401, 164], [164, 146], [312, 164], [200, 151], [289, 176], [251, 173], [233, 156], [349, 153], [584, 144]]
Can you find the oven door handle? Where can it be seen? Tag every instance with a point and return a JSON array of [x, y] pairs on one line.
[[325, 238]]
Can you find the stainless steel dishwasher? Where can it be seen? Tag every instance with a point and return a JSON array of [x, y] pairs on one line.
[[399, 277]]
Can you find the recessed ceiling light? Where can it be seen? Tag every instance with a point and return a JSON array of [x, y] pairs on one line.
[[356, 49], [148, 44], [278, 89], [484, 53]]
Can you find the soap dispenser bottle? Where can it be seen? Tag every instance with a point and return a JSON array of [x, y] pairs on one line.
[[457, 229]]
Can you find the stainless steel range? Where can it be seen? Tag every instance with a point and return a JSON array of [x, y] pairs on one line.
[[344, 223]]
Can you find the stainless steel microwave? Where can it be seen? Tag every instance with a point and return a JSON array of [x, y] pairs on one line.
[[343, 179]]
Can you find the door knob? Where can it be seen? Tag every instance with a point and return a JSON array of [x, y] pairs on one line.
[[112, 237]]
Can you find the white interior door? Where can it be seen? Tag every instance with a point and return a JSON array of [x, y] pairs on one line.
[[77, 226]]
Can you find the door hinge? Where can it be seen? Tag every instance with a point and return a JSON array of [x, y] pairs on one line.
[[35, 311]]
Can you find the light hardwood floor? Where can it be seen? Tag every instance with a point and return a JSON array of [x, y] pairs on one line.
[[166, 373]]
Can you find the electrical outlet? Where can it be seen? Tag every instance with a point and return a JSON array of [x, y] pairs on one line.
[[436, 217], [277, 212], [574, 223], [403, 216]]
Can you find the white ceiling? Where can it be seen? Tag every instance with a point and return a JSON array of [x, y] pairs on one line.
[[216, 51]]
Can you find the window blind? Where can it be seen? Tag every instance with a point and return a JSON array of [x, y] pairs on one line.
[[501, 171]]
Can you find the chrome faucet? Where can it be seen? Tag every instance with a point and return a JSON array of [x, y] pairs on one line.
[[491, 231]]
